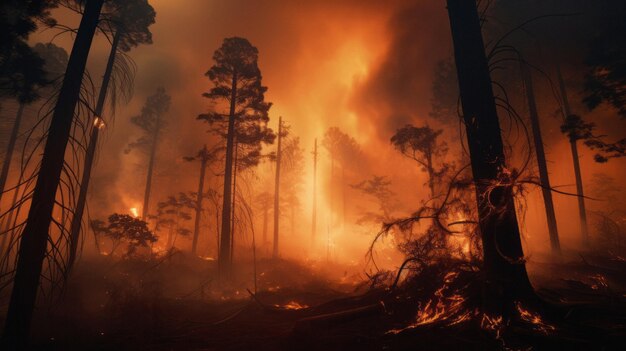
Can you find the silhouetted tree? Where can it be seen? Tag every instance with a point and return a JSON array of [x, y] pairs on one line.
[[420, 144], [20, 65], [544, 178], [151, 121], [344, 149], [281, 134], [503, 258], [34, 237], [377, 187], [292, 177], [205, 156], [576, 129], [264, 203], [125, 229], [169, 214], [129, 22], [237, 85]]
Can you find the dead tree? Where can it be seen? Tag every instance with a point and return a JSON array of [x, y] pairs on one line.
[[503, 265], [314, 210]]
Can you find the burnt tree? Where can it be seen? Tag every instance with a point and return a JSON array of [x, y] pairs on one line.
[[503, 265]]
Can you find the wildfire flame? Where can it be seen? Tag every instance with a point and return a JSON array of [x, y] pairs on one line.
[[134, 212], [534, 318], [292, 305], [447, 308]]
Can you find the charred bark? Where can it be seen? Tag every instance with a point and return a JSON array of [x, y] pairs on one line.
[[35, 235], [503, 265]]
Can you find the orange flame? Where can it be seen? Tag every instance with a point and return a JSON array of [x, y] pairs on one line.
[[534, 319]]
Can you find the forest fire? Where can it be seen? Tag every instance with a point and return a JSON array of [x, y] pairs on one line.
[[312, 175]]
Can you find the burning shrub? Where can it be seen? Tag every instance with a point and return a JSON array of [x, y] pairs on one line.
[[125, 229]]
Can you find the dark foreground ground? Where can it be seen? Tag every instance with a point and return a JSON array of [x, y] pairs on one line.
[[166, 304]]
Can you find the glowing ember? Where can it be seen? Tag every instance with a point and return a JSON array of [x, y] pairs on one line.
[[534, 318], [492, 324], [292, 305], [207, 258], [448, 309], [98, 122], [134, 212], [599, 282]]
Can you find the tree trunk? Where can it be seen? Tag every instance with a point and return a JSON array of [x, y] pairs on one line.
[[224, 256], [90, 154], [265, 222], [541, 161], [232, 219], [277, 190], [10, 147], [431, 174], [314, 211], [582, 212], [153, 147], [34, 238], [503, 265], [196, 227]]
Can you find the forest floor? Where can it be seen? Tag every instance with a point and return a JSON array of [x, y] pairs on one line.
[[175, 303]]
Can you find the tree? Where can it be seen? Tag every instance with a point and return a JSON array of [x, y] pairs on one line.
[[576, 129], [125, 229], [314, 208], [420, 144], [292, 178], [344, 149], [606, 77], [34, 236], [503, 258], [151, 120], [237, 87], [544, 178], [128, 21], [20, 65], [377, 187], [264, 202], [169, 214], [28, 91], [205, 156]]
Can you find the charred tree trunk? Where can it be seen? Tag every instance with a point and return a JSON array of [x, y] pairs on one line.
[[224, 256], [541, 161], [277, 189], [582, 212], [265, 222], [314, 211], [196, 227], [10, 147], [90, 154], [503, 265], [153, 147], [431, 173], [35, 235]]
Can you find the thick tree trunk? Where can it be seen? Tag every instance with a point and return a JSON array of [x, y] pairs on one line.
[[582, 212], [277, 190], [10, 147], [224, 256], [314, 210], [35, 235], [90, 154], [504, 268], [153, 147], [541, 161], [196, 227]]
